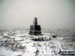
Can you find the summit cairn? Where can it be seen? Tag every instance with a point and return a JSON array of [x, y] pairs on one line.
[[35, 29]]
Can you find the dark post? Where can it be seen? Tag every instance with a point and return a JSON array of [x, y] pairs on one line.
[[35, 21]]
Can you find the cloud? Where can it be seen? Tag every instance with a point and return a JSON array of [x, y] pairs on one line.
[[50, 13]]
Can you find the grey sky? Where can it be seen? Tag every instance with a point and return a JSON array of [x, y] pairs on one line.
[[53, 14]]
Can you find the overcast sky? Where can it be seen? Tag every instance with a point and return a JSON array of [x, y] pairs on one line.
[[53, 14]]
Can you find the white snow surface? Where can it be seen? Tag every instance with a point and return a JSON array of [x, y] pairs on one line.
[[32, 48]]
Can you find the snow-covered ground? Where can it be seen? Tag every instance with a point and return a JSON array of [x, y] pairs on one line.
[[21, 44]]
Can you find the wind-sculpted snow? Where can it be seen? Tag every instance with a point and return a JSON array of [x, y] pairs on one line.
[[26, 45]]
